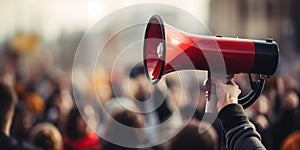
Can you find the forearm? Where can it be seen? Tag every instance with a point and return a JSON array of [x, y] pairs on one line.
[[240, 132]]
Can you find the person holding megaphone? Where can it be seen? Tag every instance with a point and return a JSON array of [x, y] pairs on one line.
[[240, 133]]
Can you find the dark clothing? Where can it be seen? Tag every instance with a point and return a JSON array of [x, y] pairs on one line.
[[8, 143], [265, 133], [240, 132], [285, 125]]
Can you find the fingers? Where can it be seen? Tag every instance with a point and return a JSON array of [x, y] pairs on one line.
[[217, 81], [230, 86], [230, 82], [227, 93]]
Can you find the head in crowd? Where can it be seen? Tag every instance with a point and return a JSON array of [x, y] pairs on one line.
[[22, 122], [58, 106], [141, 89], [78, 136], [7, 102], [290, 100], [127, 118], [35, 103], [46, 136], [292, 142], [191, 138], [138, 84], [75, 128]]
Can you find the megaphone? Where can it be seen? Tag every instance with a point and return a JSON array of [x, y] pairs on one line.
[[166, 47]]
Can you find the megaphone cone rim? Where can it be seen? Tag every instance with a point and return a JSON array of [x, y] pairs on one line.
[[160, 21]]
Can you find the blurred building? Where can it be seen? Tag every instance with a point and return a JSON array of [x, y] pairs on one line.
[[259, 19]]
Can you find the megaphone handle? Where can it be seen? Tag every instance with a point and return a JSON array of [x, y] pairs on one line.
[[251, 97], [246, 101]]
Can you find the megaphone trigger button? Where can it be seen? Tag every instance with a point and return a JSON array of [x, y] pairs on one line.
[[269, 40]]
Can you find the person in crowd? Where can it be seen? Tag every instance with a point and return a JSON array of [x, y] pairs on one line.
[[78, 136], [274, 91], [191, 138], [240, 133], [7, 103], [58, 106], [46, 136], [22, 122], [117, 134], [140, 91], [286, 123], [156, 102], [292, 142], [258, 113], [35, 103]]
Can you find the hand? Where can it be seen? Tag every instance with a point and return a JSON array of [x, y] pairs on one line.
[[226, 93]]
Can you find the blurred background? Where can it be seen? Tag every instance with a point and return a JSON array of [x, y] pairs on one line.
[[49, 24], [38, 41]]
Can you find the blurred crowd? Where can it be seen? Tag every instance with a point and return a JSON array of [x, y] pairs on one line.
[[46, 116]]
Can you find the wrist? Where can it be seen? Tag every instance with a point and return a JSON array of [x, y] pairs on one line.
[[230, 100], [232, 115], [226, 102]]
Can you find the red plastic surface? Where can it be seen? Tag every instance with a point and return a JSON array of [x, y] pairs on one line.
[[186, 51]]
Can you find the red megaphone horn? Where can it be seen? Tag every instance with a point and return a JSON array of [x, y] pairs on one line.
[[167, 49]]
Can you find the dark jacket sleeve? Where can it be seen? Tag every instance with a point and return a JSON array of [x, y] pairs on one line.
[[240, 132]]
